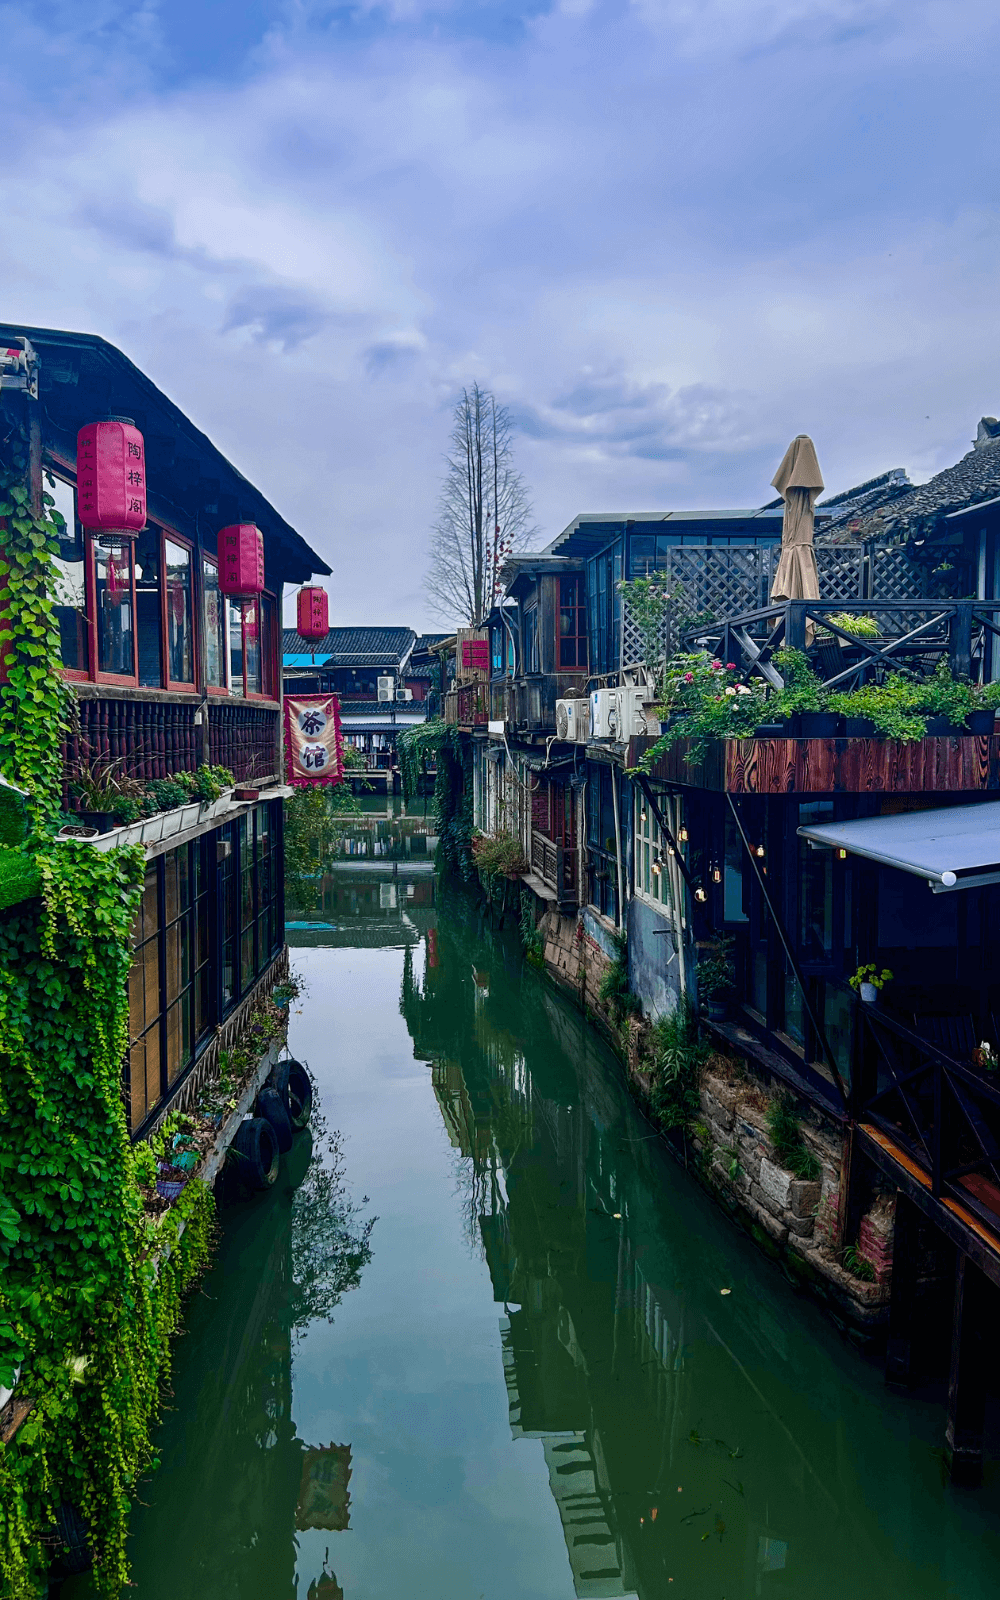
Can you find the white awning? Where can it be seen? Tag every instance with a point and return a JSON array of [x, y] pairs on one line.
[[954, 847]]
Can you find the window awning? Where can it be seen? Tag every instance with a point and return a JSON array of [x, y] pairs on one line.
[[955, 847]]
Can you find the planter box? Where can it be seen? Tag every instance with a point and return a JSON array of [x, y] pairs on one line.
[[215, 808], [152, 828], [860, 728], [818, 724], [190, 815], [981, 722], [172, 822]]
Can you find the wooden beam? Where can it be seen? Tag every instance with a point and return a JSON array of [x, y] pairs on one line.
[[955, 1222]]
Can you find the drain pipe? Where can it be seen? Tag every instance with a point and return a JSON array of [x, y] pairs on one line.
[[618, 847]]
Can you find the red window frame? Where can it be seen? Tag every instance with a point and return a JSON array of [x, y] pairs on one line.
[[207, 559], [128, 681], [578, 607], [267, 611]]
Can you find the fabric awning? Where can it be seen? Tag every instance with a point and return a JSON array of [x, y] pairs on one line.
[[955, 847]]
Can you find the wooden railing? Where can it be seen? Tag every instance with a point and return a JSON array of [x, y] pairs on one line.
[[152, 738], [467, 706], [554, 864], [912, 634], [943, 1112]]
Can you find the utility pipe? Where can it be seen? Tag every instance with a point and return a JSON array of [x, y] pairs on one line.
[[618, 847]]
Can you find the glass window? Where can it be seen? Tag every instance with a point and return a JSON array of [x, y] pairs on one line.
[[815, 887], [235, 647], [251, 647], [652, 881], [268, 673], [732, 877], [215, 625], [144, 1004], [115, 615], [531, 640], [180, 614], [572, 623], [149, 617], [69, 590]]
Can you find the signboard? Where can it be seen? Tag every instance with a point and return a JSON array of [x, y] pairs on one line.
[[476, 654], [314, 744]]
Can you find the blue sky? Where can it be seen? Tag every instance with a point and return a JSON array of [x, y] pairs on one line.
[[670, 234]]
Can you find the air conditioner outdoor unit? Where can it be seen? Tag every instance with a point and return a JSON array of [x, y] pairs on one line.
[[404, 694], [573, 721], [386, 688], [603, 713], [632, 721]]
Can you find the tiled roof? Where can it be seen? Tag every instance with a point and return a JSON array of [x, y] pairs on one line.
[[428, 641], [976, 477], [352, 647]]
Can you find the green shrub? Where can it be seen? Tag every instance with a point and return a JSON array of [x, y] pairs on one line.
[[803, 690], [498, 853], [858, 1265], [679, 1056], [786, 1136], [614, 992]]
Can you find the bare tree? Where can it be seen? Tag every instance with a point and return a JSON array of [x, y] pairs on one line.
[[484, 513]]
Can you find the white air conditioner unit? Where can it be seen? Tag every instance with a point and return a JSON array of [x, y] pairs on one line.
[[573, 721], [632, 720], [404, 694], [386, 688], [603, 713]]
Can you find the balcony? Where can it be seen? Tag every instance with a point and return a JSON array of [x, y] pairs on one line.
[[555, 866], [468, 706], [148, 737]]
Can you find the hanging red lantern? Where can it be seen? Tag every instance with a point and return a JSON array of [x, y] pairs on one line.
[[111, 478], [313, 610], [241, 560]]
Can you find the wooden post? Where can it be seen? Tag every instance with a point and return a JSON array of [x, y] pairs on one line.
[[963, 1448], [961, 639], [34, 458], [899, 1353]]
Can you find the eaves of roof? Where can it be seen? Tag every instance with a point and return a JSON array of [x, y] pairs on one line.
[[79, 372]]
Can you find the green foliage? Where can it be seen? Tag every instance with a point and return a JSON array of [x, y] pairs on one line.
[[656, 608], [803, 690], [786, 1136], [106, 786], [679, 1057], [893, 706], [13, 818], [416, 751], [34, 702], [316, 817], [453, 803], [144, 1166], [19, 877], [614, 992], [715, 971], [862, 626], [705, 701], [531, 934], [858, 1265], [869, 973], [498, 854]]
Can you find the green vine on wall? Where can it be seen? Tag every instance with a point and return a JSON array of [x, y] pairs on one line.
[[90, 1287], [452, 787], [34, 701]]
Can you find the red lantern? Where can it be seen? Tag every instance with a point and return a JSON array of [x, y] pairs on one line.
[[241, 560], [313, 613], [111, 478]]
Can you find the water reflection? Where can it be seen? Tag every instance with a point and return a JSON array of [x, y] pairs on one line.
[[235, 1476], [705, 1432]]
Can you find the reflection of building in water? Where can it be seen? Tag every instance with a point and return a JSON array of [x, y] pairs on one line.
[[456, 1108], [369, 905], [324, 1499]]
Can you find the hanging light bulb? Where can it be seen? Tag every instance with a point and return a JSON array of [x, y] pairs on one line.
[[759, 850], [682, 835], [716, 875], [642, 816], [700, 893], [841, 855]]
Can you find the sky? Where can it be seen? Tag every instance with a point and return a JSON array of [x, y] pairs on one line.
[[670, 235]]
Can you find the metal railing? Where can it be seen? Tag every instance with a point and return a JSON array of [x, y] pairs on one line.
[[913, 634], [943, 1112]]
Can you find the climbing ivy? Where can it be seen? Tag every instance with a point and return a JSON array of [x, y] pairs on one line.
[[34, 701], [452, 787], [90, 1287]]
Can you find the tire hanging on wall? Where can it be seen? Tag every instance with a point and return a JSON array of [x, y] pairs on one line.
[[257, 1153], [272, 1108], [292, 1082]]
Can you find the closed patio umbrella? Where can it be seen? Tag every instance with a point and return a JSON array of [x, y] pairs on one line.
[[799, 482]]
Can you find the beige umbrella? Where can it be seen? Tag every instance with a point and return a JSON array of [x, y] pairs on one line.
[[799, 482]]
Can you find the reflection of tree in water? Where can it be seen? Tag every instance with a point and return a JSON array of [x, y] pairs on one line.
[[235, 1477], [331, 1243], [315, 821]]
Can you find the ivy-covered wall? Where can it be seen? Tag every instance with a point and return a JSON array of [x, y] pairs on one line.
[[451, 752], [90, 1289]]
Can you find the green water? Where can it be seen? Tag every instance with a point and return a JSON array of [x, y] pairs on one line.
[[538, 1387]]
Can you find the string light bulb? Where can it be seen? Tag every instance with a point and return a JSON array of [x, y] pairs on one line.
[[760, 850], [841, 855], [700, 894], [716, 875], [682, 835]]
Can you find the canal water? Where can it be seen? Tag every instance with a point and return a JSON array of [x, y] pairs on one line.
[[548, 1367]]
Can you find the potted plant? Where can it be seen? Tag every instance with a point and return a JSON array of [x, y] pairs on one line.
[[859, 624], [987, 702], [715, 978], [702, 701], [947, 702], [890, 708], [803, 698], [868, 981]]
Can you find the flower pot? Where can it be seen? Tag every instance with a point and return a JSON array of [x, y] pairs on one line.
[[103, 821], [939, 727], [981, 721], [245, 793], [868, 993], [860, 728], [818, 724], [190, 815], [717, 1010], [770, 730], [152, 828], [130, 833]]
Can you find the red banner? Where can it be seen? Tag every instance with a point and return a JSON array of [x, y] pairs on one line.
[[476, 654], [314, 744]]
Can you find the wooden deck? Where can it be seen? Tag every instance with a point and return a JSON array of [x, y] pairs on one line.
[[833, 766]]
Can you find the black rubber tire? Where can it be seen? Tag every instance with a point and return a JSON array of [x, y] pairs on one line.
[[257, 1153], [271, 1107], [300, 1094], [278, 1081]]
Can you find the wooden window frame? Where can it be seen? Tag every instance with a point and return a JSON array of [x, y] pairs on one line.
[[582, 634]]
